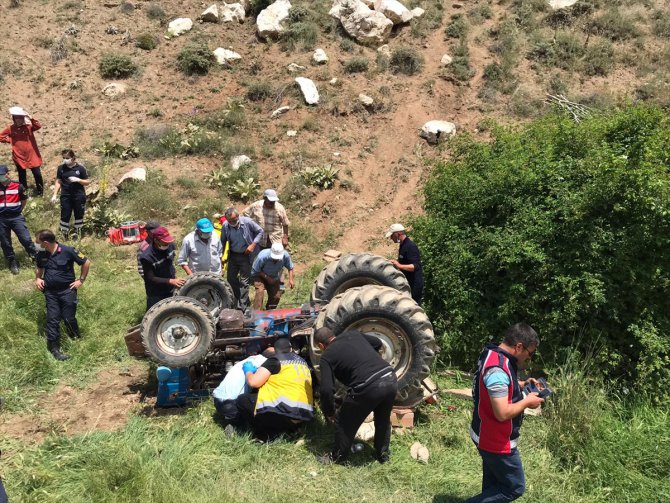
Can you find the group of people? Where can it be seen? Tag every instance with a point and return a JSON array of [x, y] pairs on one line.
[[251, 248]]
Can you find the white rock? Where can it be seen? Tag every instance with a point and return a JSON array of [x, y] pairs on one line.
[[393, 10], [417, 12], [226, 56], [238, 161], [294, 68], [246, 5], [179, 26], [232, 12], [319, 56], [384, 50], [369, 3], [211, 14], [561, 4], [279, 111], [435, 131], [269, 21], [419, 452], [309, 90], [365, 99], [114, 89], [291, 133], [138, 174], [366, 432], [362, 23], [446, 60], [333, 81]]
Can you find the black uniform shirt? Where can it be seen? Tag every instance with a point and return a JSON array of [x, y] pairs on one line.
[[409, 254], [158, 269], [59, 266], [353, 359], [68, 188]]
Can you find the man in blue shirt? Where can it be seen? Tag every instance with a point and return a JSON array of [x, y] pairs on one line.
[[266, 273], [243, 236]]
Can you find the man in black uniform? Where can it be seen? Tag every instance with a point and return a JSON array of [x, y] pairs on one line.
[[71, 180], [409, 260], [55, 277], [353, 358], [158, 265], [12, 201]]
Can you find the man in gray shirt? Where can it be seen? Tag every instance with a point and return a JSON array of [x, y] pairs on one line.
[[201, 250], [243, 236]]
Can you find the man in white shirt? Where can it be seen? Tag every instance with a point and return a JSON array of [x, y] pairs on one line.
[[201, 250]]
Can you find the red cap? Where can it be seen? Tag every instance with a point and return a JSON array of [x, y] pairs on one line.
[[162, 234]]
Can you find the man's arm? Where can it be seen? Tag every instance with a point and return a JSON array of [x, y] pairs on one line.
[[291, 283], [374, 341], [39, 278], [504, 411], [76, 284], [150, 276], [259, 378], [5, 135], [326, 389], [35, 123], [182, 260], [257, 231]]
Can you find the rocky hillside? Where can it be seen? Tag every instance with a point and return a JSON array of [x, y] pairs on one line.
[[351, 161]]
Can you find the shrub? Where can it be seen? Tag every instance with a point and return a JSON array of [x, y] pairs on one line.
[[127, 8], [230, 118], [430, 21], [565, 51], [356, 65], [322, 177], [479, 13], [155, 12], [460, 71], [301, 30], [259, 91], [195, 59], [599, 59], [563, 225], [347, 45], [613, 25], [661, 23], [146, 41], [244, 190], [457, 27], [117, 66], [406, 60]]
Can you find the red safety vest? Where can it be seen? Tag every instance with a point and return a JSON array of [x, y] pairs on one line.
[[10, 201]]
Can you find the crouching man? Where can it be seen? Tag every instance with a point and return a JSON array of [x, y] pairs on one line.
[[284, 400]]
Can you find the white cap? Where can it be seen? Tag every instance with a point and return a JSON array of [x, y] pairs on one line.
[[277, 251], [395, 228], [271, 195], [17, 111]]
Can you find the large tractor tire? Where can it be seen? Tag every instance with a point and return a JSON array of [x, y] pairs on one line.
[[408, 341], [178, 331], [357, 269], [211, 290]]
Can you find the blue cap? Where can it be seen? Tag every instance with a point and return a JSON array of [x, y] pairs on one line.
[[204, 225], [3, 169]]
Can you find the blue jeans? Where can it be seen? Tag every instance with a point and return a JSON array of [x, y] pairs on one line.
[[502, 478]]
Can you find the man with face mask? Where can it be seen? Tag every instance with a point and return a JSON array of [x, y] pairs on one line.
[[201, 249], [409, 260], [266, 273], [71, 180], [498, 412], [157, 263], [12, 201], [272, 217], [243, 236]]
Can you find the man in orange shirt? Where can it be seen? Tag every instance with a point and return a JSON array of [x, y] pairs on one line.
[[26, 155]]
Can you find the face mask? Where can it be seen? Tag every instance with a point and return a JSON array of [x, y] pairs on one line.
[[162, 247], [3, 178], [69, 162], [205, 235], [39, 247], [235, 225]]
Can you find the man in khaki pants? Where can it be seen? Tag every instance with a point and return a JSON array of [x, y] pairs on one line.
[[266, 273]]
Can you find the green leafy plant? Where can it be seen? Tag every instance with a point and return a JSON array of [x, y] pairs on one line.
[[406, 60], [146, 41], [244, 190], [101, 216], [259, 91], [155, 12], [218, 178], [356, 65], [117, 66], [322, 177], [195, 59], [117, 150]]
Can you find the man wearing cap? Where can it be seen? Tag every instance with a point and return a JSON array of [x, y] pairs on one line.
[[201, 249], [21, 135], [55, 277], [266, 273], [150, 226], [409, 260], [353, 359], [284, 400], [243, 237], [12, 201], [272, 217], [157, 263]]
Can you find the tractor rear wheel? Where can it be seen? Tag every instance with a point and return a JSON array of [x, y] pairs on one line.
[[210, 289], [178, 331], [357, 269], [408, 341]]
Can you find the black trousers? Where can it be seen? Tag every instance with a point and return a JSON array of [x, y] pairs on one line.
[[3, 494], [156, 298], [61, 305], [68, 205], [267, 425], [239, 272], [228, 410], [37, 174], [377, 397], [18, 225]]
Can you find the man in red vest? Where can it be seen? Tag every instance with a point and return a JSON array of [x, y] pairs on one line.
[[12, 201], [498, 413]]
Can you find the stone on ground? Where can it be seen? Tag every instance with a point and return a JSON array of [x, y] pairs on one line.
[[309, 90], [238, 161], [561, 4], [393, 10], [179, 26], [269, 21], [232, 12], [446, 60], [280, 111], [362, 23], [436, 131], [320, 57], [226, 56], [114, 89], [211, 14]]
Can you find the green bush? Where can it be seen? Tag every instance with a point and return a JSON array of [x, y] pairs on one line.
[[356, 65], [458, 27], [259, 91], [613, 25], [460, 71], [146, 41], [155, 12], [301, 30], [599, 59], [661, 23], [562, 225], [195, 59], [117, 66], [406, 60], [565, 51]]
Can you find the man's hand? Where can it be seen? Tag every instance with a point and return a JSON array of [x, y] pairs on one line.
[[284, 240], [74, 179], [331, 419], [54, 199], [531, 380], [291, 283], [75, 285], [395, 264], [533, 401], [249, 367], [39, 283], [250, 249], [178, 282]]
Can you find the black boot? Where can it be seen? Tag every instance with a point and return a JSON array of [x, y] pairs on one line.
[[54, 349], [14, 266]]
